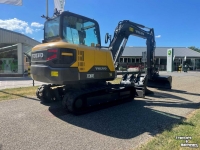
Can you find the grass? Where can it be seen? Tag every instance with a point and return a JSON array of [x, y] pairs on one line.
[[167, 140], [16, 93]]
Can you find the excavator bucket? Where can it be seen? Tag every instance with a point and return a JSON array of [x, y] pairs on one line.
[[160, 81], [139, 81]]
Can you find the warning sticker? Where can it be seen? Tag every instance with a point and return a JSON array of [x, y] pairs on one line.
[[54, 73]]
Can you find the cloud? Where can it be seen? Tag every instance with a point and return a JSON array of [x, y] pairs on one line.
[[13, 24], [36, 30], [36, 24], [20, 26], [29, 30], [158, 36]]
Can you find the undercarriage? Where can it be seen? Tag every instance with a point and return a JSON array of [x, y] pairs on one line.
[[80, 98]]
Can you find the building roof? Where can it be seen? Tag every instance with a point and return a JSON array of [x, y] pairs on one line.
[[161, 51], [9, 37]]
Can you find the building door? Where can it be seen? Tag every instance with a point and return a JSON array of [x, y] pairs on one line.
[[177, 63]]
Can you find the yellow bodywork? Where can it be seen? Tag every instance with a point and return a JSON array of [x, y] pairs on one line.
[[86, 57]]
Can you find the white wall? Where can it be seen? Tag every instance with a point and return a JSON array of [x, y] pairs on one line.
[[20, 58]]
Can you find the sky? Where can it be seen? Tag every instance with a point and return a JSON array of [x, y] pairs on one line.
[[176, 23]]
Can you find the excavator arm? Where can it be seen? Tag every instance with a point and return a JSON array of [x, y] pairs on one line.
[[123, 31]]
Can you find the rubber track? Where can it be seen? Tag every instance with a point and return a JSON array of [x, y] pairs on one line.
[[71, 96]]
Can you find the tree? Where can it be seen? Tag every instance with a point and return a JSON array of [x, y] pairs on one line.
[[194, 48]]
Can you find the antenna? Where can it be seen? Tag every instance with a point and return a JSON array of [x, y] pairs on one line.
[[47, 16], [56, 12], [43, 16]]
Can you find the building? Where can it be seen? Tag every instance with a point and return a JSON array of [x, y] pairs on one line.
[[13, 63], [132, 57]]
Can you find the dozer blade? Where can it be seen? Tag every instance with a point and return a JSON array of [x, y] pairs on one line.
[[160, 82]]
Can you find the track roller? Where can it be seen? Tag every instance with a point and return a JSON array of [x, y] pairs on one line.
[[73, 102], [45, 94]]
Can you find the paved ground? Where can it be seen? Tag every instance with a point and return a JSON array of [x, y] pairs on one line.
[[189, 73], [27, 124], [13, 82]]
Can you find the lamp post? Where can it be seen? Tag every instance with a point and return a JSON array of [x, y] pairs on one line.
[[47, 8]]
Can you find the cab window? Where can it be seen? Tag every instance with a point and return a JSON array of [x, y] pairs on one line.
[[79, 31]]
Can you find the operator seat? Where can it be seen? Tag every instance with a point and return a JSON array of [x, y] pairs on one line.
[[82, 36]]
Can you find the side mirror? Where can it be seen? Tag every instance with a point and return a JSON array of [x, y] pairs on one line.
[[107, 37], [43, 41]]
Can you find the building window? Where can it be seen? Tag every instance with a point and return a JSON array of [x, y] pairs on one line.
[[121, 60], [125, 60], [133, 60], [163, 61], [157, 61], [197, 64], [129, 60], [9, 60], [137, 60]]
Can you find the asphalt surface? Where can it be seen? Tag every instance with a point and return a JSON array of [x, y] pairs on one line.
[[181, 74], [28, 124], [14, 82]]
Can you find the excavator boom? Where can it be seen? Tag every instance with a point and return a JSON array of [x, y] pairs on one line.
[[117, 45]]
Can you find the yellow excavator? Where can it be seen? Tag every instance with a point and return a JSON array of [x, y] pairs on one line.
[[77, 67]]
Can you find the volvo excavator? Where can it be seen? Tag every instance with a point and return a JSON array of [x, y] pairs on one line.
[[77, 68]]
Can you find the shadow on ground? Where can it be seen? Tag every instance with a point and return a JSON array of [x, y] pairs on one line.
[[167, 95], [127, 120], [180, 91]]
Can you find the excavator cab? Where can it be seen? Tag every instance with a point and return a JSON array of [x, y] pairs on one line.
[[72, 28]]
